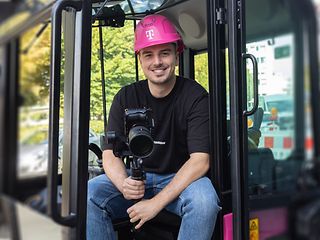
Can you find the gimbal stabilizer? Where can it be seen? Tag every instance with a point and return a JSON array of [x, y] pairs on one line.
[[137, 141]]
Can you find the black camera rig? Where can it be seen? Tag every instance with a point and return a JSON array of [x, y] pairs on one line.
[[136, 142]]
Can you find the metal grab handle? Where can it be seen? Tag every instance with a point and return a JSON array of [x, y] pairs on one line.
[[255, 84], [53, 209]]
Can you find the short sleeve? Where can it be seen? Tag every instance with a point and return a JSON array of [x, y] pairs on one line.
[[115, 120], [198, 126]]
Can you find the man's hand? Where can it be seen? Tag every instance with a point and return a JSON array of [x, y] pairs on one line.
[[133, 189], [143, 211]]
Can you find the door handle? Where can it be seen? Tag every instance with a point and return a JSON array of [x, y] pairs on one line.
[[253, 59]]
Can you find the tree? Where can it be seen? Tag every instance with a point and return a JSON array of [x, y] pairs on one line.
[[35, 67], [201, 70], [119, 64]]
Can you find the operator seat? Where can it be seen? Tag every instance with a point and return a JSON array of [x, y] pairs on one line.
[[164, 226], [261, 161], [261, 165]]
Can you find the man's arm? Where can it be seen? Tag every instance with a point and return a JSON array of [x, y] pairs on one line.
[[193, 169], [117, 173], [196, 167]]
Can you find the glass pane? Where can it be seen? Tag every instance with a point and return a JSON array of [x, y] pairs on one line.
[[2, 62], [275, 57], [227, 87], [201, 69], [272, 129], [280, 132], [308, 126], [119, 66], [33, 114], [140, 6]]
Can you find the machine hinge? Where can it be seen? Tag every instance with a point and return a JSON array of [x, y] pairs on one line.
[[221, 16]]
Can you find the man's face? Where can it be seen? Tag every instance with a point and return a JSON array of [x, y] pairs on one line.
[[158, 63]]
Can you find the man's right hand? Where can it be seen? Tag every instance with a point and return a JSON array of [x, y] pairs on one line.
[[133, 189]]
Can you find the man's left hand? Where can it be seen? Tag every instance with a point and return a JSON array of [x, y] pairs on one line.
[[143, 211]]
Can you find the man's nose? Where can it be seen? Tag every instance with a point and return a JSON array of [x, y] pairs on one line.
[[157, 60]]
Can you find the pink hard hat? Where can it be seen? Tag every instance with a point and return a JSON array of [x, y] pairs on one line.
[[156, 29]]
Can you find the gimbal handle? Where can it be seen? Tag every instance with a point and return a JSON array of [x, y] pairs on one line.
[[136, 167], [138, 174]]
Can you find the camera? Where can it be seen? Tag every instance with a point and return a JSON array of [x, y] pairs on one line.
[[137, 138]]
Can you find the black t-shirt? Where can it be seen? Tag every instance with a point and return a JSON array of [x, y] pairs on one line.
[[181, 122]]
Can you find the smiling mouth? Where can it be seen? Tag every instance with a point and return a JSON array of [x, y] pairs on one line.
[[158, 71]]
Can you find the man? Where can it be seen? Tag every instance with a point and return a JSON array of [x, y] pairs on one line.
[[175, 170]]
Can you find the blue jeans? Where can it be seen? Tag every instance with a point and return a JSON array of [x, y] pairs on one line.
[[197, 205]]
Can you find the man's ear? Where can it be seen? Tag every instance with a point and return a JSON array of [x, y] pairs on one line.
[[138, 55]]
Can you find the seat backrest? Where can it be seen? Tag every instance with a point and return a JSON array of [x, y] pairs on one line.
[[261, 165]]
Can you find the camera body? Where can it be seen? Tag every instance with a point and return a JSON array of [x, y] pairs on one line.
[[136, 141], [137, 117]]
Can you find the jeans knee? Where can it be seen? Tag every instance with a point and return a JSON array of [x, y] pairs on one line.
[[202, 199], [206, 204], [91, 189], [98, 190], [91, 207]]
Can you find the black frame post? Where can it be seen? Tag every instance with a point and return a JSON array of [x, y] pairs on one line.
[[217, 102], [239, 182]]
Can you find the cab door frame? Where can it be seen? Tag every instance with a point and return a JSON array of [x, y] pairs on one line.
[[239, 179], [77, 41], [216, 21], [239, 153]]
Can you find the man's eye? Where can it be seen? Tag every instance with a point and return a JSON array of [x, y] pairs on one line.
[[165, 53]]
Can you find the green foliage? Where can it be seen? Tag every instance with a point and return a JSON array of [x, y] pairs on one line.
[[33, 135], [35, 67], [201, 69], [36, 139], [39, 116], [119, 65], [97, 126]]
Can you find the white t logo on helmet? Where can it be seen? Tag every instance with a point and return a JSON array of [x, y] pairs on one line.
[[150, 34]]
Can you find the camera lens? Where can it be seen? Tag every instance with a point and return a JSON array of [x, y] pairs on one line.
[[140, 141]]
